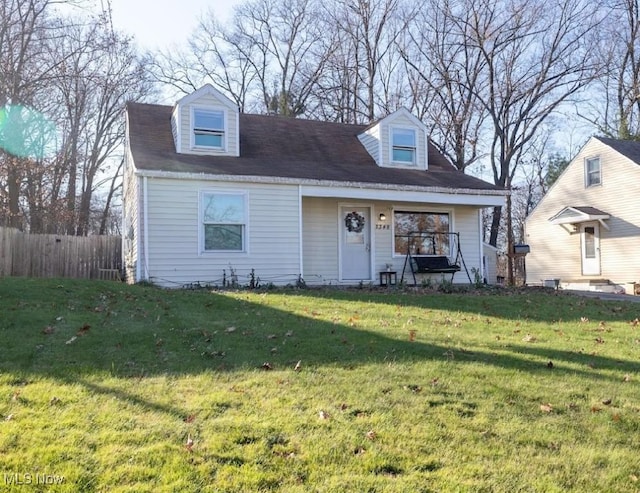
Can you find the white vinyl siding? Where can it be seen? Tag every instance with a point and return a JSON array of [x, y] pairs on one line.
[[131, 220], [175, 258], [555, 249], [320, 238], [371, 142]]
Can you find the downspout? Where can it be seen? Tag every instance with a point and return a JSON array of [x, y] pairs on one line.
[[480, 246], [145, 208], [300, 259]]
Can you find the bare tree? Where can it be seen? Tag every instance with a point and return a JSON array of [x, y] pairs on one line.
[[368, 30], [616, 110], [23, 30], [447, 76], [66, 78], [536, 55]]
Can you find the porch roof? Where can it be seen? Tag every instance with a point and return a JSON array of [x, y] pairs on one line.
[[580, 214]]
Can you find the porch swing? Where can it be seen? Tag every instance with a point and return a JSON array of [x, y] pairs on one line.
[[432, 258]]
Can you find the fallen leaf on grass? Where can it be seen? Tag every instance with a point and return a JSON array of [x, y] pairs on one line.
[[413, 388], [626, 378], [53, 401], [595, 409], [190, 418], [189, 444], [83, 330], [635, 322], [71, 341], [298, 366], [546, 408], [599, 340], [323, 415], [371, 435], [48, 330], [266, 366], [529, 338], [584, 320], [606, 402], [230, 329], [9, 417]]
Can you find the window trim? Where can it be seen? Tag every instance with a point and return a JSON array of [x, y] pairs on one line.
[[392, 147], [201, 222], [413, 209], [222, 132], [587, 174]]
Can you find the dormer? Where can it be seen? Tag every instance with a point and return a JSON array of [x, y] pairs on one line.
[[205, 122], [397, 141]]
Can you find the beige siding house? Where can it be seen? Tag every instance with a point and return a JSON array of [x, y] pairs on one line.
[[216, 197], [585, 232]]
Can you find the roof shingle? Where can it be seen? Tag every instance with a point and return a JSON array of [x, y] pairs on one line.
[[275, 146]]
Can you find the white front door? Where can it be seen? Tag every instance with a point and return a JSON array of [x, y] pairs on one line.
[[590, 246], [355, 243]]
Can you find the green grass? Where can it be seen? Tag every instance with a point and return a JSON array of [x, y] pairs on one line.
[[102, 384]]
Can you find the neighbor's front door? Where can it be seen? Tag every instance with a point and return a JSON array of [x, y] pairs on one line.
[[355, 243], [590, 246]]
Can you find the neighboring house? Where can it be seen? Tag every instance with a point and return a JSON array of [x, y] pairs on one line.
[[212, 196], [586, 230]]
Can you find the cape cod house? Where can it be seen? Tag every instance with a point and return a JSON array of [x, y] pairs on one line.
[[213, 196], [585, 232]]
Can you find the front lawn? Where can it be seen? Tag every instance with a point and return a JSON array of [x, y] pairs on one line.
[[106, 387]]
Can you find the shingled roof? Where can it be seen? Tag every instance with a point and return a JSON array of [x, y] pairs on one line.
[[281, 147], [628, 148]]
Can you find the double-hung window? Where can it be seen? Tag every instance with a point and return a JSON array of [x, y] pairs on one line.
[[421, 233], [224, 221], [403, 145], [592, 172], [208, 128]]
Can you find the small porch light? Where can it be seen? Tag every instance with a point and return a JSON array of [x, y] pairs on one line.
[[382, 217]]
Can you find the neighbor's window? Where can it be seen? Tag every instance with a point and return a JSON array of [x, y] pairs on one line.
[[593, 172], [421, 233], [208, 128], [403, 145], [224, 221]]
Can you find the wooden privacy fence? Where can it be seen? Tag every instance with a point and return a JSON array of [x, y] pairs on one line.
[[45, 255]]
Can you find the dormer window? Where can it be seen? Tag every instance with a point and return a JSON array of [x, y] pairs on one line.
[[403, 145], [208, 128]]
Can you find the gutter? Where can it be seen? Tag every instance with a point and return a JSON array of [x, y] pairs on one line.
[[317, 183]]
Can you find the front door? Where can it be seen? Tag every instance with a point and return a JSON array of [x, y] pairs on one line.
[[355, 243], [590, 246]]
